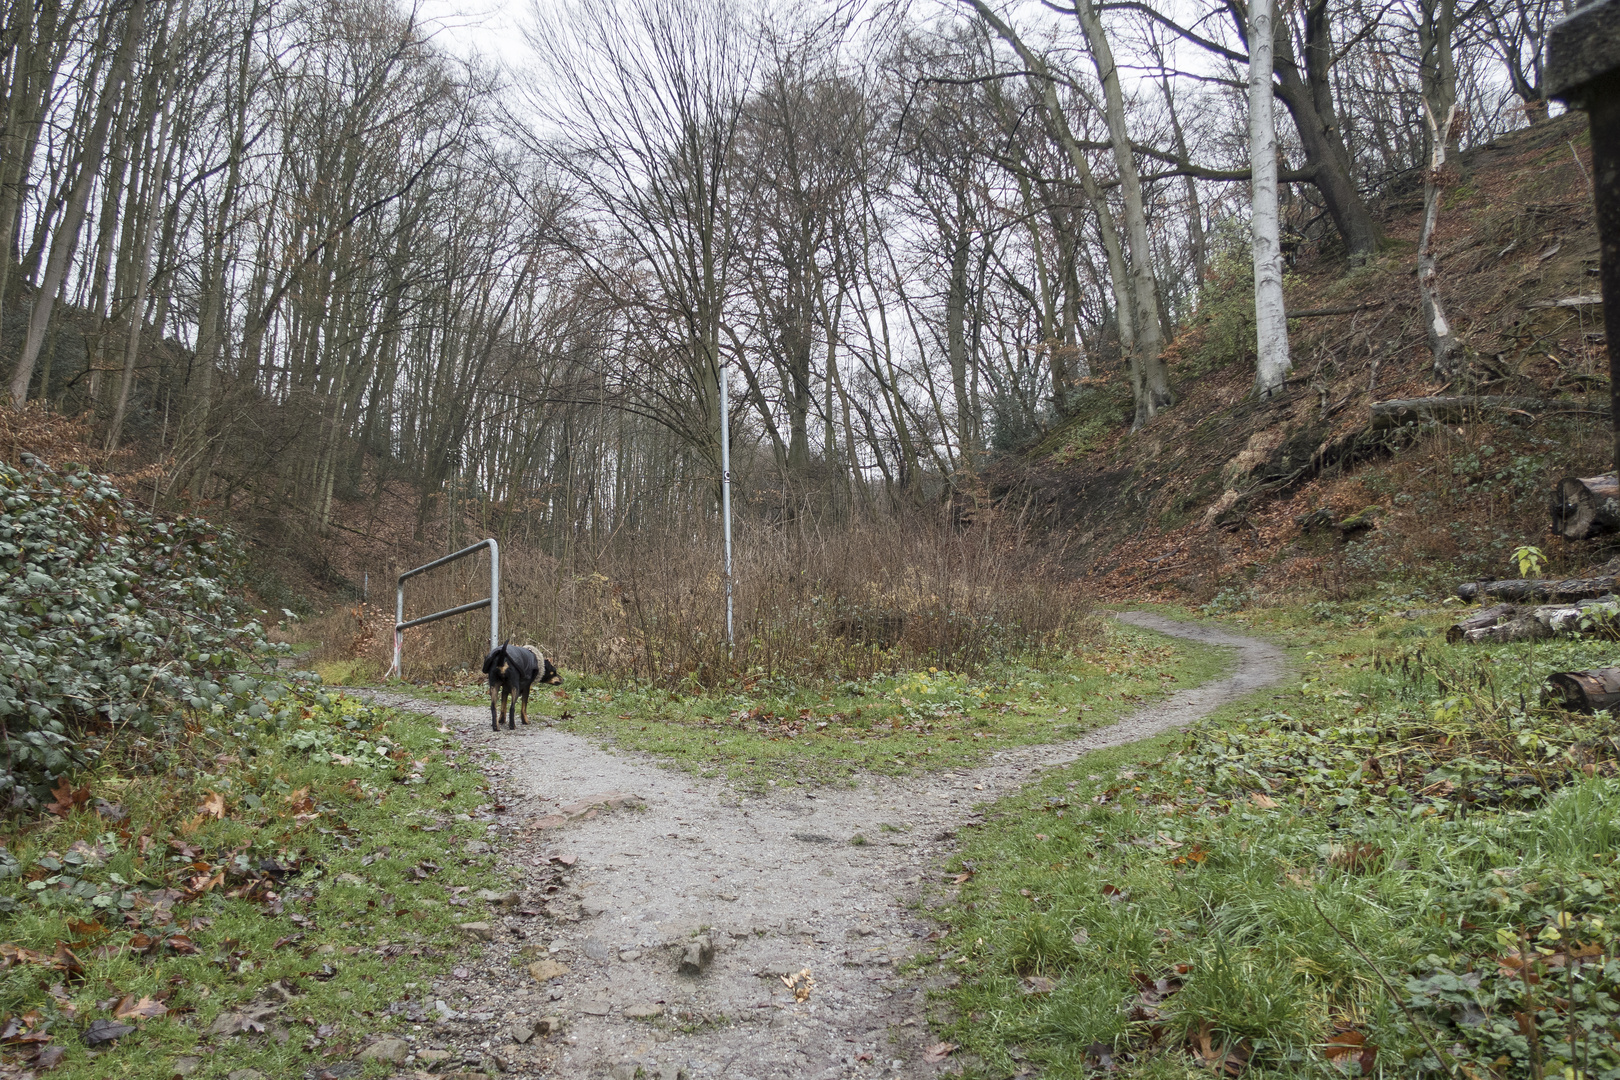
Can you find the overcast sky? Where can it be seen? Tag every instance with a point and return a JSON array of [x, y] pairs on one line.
[[490, 27]]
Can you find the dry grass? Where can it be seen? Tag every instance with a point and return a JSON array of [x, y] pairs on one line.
[[879, 597]]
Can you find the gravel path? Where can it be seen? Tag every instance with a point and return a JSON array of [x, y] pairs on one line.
[[773, 882]]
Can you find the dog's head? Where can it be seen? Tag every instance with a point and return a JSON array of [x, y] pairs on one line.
[[548, 674]]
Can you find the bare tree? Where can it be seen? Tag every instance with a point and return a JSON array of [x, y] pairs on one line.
[[1271, 322]]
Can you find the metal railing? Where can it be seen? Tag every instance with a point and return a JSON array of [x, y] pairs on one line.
[[492, 601]]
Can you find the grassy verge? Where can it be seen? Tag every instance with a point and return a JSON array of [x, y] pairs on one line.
[[1404, 867], [768, 731], [273, 903]]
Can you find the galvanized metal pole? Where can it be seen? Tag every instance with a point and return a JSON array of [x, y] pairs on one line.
[[725, 493], [1583, 69], [399, 630]]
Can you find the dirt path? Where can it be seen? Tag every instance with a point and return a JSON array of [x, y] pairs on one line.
[[773, 880]]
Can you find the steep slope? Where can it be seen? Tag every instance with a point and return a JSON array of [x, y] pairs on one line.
[[1222, 493]]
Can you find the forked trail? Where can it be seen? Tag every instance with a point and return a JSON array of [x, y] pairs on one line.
[[773, 880]]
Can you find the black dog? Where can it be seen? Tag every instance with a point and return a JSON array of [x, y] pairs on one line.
[[512, 670]]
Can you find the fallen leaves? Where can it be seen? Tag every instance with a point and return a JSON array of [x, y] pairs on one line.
[[1358, 858], [1039, 985], [1349, 1046], [63, 959], [213, 805], [938, 1052], [30, 1027], [105, 1031], [800, 983], [146, 1008], [67, 797], [1195, 855], [1231, 1058]]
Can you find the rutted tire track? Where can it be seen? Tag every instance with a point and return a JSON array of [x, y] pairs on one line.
[[775, 881]]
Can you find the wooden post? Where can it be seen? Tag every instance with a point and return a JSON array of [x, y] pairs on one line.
[[1583, 70]]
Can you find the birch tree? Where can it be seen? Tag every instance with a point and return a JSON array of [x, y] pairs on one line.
[[1436, 22], [1270, 320]]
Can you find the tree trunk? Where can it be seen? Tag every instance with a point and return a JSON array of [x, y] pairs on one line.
[[956, 351], [1585, 691], [1508, 622], [1045, 86], [66, 237], [1144, 288], [1439, 76], [1308, 96], [1398, 412], [1270, 319]]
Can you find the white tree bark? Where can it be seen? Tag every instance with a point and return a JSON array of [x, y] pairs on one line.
[[1270, 317], [1438, 71]]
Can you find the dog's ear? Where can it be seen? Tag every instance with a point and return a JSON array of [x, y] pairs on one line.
[[489, 661]]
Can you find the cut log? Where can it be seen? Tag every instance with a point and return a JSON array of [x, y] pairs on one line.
[[1512, 622], [1538, 589], [1479, 620], [1586, 506], [1585, 691], [1519, 628], [1397, 412]]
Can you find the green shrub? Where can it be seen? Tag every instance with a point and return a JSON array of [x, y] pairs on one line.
[[110, 620]]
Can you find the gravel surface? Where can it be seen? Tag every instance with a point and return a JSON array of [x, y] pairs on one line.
[[623, 891]]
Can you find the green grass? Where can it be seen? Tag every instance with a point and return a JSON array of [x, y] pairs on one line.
[[764, 732], [365, 809], [1185, 901]]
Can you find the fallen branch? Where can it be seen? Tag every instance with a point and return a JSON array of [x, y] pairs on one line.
[[1397, 412], [1395, 996], [1351, 309], [1569, 301]]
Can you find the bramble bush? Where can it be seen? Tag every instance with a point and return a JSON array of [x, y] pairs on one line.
[[112, 620]]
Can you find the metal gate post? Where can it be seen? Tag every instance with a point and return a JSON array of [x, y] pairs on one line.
[[492, 601]]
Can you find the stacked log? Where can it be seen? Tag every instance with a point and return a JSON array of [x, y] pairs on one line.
[[1585, 691], [1586, 506], [1514, 622], [1539, 589]]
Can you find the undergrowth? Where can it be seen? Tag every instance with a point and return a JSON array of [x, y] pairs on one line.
[[768, 730], [1404, 866], [112, 623], [318, 868]]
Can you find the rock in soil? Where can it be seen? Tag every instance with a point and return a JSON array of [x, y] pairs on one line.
[[388, 1048]]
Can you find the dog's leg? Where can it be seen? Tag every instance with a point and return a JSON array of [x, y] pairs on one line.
[[494, 722], [525, 706]]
